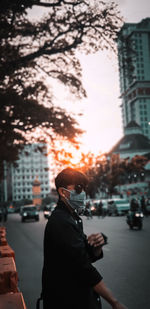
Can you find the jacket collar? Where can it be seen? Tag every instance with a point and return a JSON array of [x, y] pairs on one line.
[[73, 213]]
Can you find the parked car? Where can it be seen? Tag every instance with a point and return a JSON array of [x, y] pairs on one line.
[[29, 212], [118, 207], [11, 209]]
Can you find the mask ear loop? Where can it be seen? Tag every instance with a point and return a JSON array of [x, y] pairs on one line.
[[66, 202], [69, 207]]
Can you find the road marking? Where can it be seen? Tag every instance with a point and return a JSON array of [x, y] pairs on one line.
[[106, 249]]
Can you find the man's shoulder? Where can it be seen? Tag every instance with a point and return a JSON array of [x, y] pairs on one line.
[[60, 216]]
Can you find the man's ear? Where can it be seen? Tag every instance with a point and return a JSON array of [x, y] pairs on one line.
[[61, 191]]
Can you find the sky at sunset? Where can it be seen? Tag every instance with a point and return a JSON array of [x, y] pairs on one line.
[[101, 109]]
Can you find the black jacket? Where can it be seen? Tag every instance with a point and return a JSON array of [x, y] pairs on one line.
[[68, 276]]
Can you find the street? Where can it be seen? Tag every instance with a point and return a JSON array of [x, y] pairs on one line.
[[125, 267]]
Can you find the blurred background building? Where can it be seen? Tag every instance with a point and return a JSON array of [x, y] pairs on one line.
[[134, 72], [32, 164], [133, 143]]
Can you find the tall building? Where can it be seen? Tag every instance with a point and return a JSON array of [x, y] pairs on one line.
[[32, 164], [134, 71]]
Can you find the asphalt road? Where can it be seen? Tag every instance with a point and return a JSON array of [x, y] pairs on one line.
[[125, 267]]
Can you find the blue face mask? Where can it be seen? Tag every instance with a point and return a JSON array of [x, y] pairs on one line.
[[76, 200]]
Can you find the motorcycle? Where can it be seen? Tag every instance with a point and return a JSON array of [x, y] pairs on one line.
[[88, 212], [135, 219]]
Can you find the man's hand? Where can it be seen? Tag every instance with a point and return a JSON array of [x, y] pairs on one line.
[[96, 240], [118, 305], [101, 289]]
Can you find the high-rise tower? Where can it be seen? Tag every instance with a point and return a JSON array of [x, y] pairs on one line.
[[134, 71]]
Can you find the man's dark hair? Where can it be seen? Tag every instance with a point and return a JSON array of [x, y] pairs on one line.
[[70, 176]]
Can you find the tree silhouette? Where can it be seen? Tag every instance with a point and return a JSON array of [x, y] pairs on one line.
[[106, 173], [34, 52]]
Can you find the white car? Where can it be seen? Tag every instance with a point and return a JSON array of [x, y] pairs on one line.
[[121, 206]]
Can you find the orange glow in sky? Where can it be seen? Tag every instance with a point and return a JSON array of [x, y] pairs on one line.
[[101, 109], [102, 118]]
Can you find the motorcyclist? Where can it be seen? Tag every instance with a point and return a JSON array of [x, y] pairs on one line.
[[100, 209], [143, 205], [134, 206]]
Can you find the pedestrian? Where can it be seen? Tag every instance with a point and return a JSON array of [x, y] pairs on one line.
[[69, 280], [99, 209], [5, 213], [88, 211]]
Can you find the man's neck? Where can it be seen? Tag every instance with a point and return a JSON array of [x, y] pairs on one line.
[[72, 211]]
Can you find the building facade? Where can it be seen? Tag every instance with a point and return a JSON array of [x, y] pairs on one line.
[[133, 143], [134, 73], [32, 164]]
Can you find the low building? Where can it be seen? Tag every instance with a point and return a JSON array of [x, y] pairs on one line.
[[32, 163], [133, 143]]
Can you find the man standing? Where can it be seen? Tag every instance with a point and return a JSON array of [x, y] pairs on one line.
[[69, 280]]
